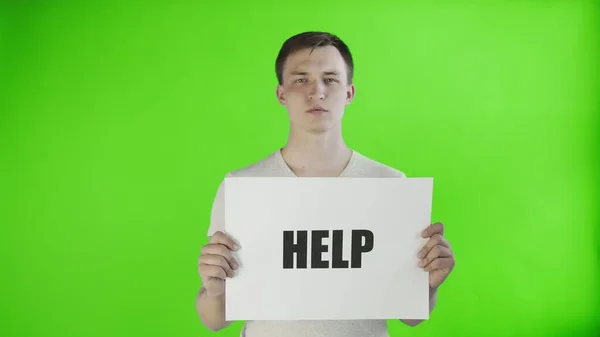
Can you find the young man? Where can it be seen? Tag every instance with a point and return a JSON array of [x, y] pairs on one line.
[[314, 70]]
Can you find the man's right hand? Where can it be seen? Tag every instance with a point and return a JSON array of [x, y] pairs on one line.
[[216, 263]]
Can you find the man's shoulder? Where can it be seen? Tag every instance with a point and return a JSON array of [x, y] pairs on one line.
[[267, 166], [368, 167]]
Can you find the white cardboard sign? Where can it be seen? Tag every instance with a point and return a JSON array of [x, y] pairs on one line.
[[327, 248]]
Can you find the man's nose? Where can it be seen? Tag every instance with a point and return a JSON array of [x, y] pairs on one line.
[[317, 91]]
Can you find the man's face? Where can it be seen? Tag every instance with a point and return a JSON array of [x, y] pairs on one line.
[[316, 79]]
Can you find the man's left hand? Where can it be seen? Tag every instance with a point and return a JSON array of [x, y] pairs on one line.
[[436, 257]]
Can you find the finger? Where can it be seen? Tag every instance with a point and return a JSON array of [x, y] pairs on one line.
[[436, 239], [217, 260], [223, 239], [213, 283], [218, 249], [207, 271], [441, 263], [436, 228], [434, 253]]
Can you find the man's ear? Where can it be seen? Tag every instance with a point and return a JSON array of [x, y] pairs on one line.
[[281, 95], [350, 92]]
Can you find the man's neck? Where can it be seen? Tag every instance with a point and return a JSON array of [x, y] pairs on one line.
[[316, 155]]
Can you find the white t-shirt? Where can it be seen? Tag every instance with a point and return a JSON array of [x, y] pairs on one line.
[[274, 166]]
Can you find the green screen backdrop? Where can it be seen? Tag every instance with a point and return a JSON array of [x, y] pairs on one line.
[[118, 121]]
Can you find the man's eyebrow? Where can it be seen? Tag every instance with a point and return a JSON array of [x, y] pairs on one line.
[[305, 73]]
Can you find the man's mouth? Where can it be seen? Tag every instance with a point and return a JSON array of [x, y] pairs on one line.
[[317, 109]]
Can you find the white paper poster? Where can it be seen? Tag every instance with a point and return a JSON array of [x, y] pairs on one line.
[[327, 248]]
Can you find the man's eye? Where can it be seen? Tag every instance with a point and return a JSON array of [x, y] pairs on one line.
[[300, 80], [330, 80]]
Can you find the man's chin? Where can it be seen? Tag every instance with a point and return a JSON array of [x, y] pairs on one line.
[[319, 129]]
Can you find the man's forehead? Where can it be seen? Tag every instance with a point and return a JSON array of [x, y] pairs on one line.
[[320, 59]]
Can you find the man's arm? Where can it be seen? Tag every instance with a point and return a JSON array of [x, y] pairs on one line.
[[211, 310], [437, 259], [432, 302]]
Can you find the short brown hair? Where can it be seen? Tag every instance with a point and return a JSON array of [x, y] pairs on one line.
[[312, 40]]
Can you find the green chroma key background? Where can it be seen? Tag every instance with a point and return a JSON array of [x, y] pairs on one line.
[[117, 122]]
